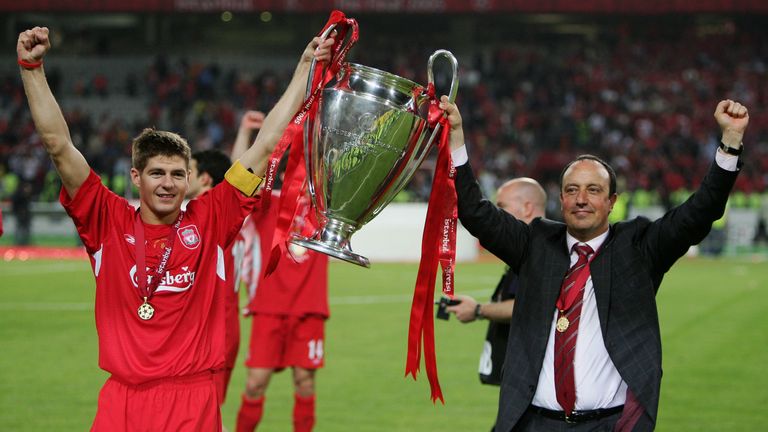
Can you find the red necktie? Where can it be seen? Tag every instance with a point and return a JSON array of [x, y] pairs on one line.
[[567, 327]]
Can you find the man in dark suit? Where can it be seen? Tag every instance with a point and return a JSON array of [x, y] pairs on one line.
[[589, 358]]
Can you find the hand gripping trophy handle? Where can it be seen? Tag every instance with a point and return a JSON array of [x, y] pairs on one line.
[[370, 134], [343, 48], [454, 81]]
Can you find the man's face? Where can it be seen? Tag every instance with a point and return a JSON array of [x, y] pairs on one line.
[[585, 199], [162, 184]]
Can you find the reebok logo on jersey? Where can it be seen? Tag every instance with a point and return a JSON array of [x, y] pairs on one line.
[[189, 236], [172, 282], [129, 238]]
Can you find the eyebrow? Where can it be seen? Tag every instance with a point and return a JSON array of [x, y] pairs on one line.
[[588, 185]]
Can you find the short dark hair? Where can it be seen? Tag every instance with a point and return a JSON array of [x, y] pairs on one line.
[[611, 172], [152, 142], [213, 162]]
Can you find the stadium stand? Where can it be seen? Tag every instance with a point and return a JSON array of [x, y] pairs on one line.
[[536, 90]]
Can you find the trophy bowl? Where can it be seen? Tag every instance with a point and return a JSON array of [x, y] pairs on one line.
[[367, 140]]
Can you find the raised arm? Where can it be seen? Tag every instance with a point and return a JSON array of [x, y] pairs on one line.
[[256, 157], [250, 122], [49, 121]]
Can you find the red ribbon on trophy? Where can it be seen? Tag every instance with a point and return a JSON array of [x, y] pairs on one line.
[[438, 244], [294, 184]]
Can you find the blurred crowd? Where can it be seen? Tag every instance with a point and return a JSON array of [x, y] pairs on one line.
[[645, 105]]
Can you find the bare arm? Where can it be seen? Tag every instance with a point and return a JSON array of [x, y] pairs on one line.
[[251, 121], [465, 311], [49, 121], [256, 157]]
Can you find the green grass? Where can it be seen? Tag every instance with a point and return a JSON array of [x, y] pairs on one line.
[[713, 321]]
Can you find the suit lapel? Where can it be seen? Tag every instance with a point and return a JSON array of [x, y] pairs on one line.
[[556, 266], [601, 281]]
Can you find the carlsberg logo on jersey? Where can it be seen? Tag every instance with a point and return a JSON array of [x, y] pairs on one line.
[[171, 282]]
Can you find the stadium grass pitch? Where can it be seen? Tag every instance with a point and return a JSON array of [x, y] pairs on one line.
[[713, 324]]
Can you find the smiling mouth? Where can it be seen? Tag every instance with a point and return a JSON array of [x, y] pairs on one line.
[[582, 212]]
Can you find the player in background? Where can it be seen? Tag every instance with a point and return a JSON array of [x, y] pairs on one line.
[[159, 280], [206, 170], [288, 310]]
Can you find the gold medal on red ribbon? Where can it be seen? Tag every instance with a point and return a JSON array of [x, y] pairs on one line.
[[562, 324], [146, 311]]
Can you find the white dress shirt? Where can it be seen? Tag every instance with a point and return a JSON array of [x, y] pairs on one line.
[[598, 383]]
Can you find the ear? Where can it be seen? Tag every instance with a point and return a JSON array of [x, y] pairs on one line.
[[528, 209], [613, 199], [135, 177], [206, 180]]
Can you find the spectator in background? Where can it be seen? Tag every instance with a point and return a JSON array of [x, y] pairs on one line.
[[21, 206]]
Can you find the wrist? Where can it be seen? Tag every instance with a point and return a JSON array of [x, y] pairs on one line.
[[731, 140], [479, 312], [729, 148], [29, 65]]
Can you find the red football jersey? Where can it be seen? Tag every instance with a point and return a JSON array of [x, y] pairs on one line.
[[299, 284], [186, 334]]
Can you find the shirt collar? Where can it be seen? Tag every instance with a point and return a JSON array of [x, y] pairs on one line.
[[595, 243]]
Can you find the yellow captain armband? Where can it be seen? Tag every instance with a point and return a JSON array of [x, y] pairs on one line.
[[242, 179]]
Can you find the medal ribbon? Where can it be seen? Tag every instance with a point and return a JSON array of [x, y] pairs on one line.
[[565, 303], [295, 172], [438, 244], [147, 289]]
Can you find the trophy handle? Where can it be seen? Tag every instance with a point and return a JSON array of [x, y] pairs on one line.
[[454, 67], [309, 125], [454, 83]]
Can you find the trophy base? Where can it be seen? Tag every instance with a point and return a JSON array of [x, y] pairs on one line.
[[328, 249]]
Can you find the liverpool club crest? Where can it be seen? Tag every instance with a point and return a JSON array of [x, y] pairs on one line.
[[189, 236]]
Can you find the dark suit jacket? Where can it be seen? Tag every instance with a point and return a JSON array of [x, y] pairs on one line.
[[626, 275]]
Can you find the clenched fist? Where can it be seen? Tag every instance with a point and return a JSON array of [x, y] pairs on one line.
[[33, 44]]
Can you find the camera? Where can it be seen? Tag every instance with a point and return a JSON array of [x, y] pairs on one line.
[[442, 304]]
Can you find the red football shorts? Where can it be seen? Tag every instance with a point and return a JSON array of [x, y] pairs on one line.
[[278, 342], [187, 404]]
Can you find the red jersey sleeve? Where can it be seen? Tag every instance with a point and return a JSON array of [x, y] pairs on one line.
[[92, 210]]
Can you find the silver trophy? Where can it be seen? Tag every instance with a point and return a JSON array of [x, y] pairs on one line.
[[366, 142]]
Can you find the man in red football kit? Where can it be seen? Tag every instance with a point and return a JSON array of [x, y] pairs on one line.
[[160, 279], [288, 310]]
